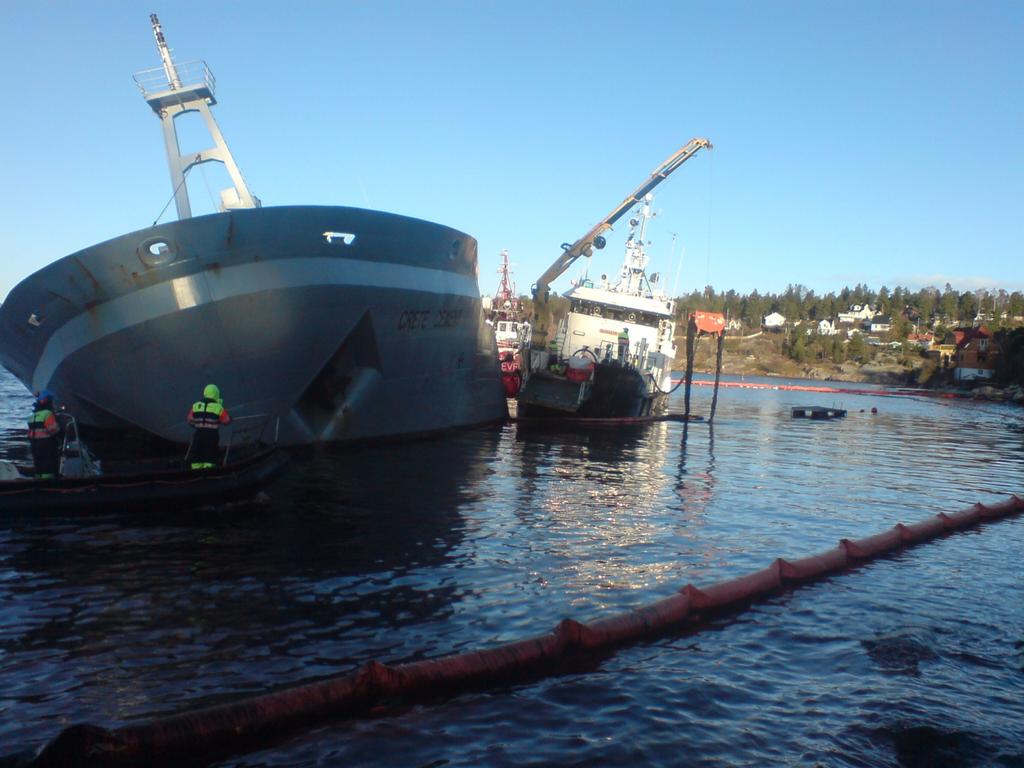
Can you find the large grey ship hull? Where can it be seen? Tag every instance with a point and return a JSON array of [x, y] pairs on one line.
[[327, 324]]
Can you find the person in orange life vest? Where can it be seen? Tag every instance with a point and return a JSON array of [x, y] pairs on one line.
[[206, 417], [44, 437]]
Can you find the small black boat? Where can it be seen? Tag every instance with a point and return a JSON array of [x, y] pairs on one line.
[[152, 488], [818, 412]]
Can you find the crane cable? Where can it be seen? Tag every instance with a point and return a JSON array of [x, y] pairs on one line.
[[711, 200]]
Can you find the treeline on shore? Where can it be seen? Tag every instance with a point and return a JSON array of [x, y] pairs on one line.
[[928, 307], [926, 310]]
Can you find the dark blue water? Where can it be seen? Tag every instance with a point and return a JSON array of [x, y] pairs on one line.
[[488, 536]]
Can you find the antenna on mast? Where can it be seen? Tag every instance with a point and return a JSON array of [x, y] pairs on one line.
[[165, 53], [506, 288]]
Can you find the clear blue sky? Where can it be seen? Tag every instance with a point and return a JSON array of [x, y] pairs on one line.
[[872, 142]]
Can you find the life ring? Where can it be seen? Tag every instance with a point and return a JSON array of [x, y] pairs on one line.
[[585, 351], [596, 311], [631, 317]]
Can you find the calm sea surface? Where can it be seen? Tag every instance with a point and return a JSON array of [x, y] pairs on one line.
[[487, 536]]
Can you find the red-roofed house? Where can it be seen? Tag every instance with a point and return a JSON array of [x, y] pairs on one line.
[[976, 353], [922, 340]]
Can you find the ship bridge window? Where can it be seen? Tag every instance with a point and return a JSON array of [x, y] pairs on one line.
[[640, 318]]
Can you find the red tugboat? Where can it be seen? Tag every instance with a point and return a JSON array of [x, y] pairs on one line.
[[510, 328]]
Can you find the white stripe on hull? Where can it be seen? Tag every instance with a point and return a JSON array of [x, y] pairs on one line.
[[206, 286], [265, 352]]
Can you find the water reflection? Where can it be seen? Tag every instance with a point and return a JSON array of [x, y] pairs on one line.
[[695, 487], [401, 552], [605, 505], [14, 444], [333, 513], [315, 580], [604, 457]]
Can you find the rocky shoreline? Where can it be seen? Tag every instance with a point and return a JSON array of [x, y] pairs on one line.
[[1011, 394], [762, 356], [892, 375], [895, 376]]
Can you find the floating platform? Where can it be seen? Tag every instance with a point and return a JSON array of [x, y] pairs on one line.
[[818, 412], [141, 491], [603, 421], [897, 392]]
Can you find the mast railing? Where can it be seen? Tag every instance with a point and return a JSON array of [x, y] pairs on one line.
[[192, 75]]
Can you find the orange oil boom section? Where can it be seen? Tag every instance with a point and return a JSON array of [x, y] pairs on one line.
[[246, 724]]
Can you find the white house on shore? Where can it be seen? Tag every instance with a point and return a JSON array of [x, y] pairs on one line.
[[880, 324], [827, 328], [774, 320], [858, 314]]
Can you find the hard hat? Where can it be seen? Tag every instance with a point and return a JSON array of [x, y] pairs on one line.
[[44, 396], [211, 392]]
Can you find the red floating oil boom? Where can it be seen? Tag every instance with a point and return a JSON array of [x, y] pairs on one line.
[[243, 725]]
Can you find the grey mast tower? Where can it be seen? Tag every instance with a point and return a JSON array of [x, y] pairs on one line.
[[173, 90]]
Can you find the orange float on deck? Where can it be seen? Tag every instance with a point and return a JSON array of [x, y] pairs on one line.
[[233, 728], [709, 322]]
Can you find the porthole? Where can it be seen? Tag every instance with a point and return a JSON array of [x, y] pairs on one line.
[[156, 252]]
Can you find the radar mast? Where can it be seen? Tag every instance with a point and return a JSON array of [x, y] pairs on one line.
[[172, 90]]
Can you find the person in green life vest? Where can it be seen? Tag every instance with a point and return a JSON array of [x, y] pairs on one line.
[[44, 437], [623, 345], [555, 365], [206, 417]]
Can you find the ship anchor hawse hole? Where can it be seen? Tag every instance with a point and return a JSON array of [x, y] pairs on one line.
[[156, 252]]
